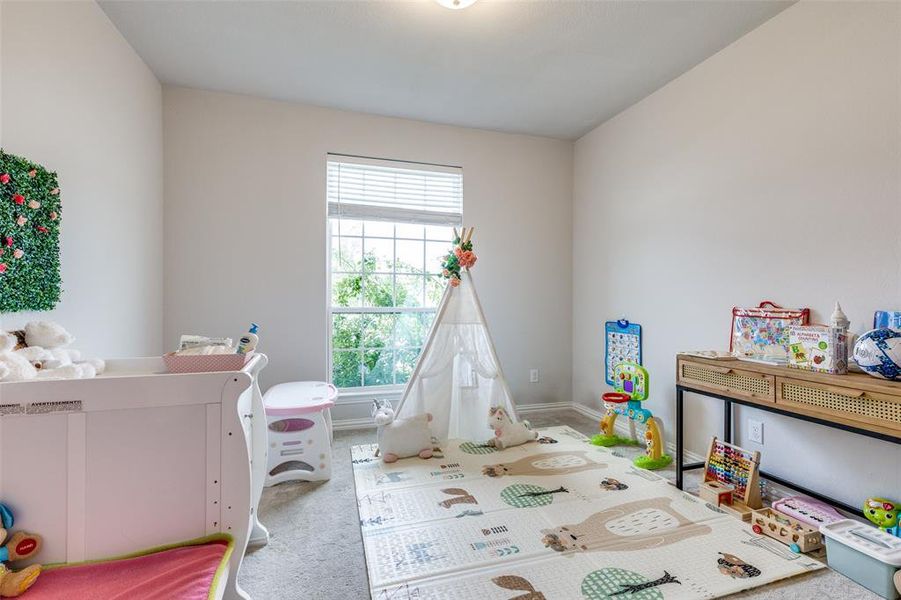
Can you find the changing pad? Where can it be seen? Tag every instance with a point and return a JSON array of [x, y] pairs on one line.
[[186, 571]]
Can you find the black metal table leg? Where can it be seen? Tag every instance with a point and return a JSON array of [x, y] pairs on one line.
[[679, 442], [727, 422], [728, 401]]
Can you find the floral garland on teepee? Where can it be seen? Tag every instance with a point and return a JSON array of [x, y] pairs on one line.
[[460, 257], [29, 236]]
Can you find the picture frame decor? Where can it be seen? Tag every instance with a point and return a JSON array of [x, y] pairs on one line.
[[30, 215]]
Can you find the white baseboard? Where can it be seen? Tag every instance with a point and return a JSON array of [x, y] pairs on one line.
[[587, 411], [345, 424], [530, 408]]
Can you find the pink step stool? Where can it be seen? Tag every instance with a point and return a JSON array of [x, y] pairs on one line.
[[299, 425]]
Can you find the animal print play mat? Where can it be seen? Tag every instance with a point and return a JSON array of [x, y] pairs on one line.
[[557, 520]]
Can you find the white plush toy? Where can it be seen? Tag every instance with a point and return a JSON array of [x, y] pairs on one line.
[[41, 346], [64, 363], [13, 366], [401, 438], [507, 433]]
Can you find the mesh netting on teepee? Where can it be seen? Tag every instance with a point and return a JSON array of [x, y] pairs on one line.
[[458, 376]]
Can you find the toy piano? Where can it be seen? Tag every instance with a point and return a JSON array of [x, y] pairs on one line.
[[807, 510]]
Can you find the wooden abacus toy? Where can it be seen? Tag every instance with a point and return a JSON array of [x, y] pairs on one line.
[[732, 479]]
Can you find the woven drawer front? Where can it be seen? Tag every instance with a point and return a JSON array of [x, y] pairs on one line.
[[750, 384], [865, 406]]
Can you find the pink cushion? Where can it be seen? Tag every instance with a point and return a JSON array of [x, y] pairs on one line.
[[183, 573]]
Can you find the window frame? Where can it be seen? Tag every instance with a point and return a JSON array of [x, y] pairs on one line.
[[425, 219]]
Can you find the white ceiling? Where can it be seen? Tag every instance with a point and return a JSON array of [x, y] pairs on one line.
[[553, 68]]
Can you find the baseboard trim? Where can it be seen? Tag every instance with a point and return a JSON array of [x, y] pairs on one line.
[[347, 424], [530, 408], [587, 411]]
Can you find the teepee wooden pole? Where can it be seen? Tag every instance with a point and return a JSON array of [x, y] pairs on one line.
[[469, 237]]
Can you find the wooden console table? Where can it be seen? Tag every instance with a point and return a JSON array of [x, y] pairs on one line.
[[855, 402]]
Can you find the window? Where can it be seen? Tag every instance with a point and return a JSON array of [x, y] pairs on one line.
[[390, 225]]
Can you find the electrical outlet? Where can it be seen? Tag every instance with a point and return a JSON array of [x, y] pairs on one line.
[[755, 431], [533, 375]]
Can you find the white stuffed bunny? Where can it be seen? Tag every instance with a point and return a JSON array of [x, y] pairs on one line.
[[401, 438], [507, 433]]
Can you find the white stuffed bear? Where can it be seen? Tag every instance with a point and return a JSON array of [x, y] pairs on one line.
[[46, 340], [37, 351], [13, 366], [401, 438]]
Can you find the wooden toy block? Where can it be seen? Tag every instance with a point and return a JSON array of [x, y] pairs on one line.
[[716, 493], [798, 536], [739, 510]]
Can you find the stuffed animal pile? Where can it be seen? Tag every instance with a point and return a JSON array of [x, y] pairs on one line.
[[19, 546], [39, 351]]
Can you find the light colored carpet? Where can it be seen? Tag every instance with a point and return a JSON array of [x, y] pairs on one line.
[[316, 550]]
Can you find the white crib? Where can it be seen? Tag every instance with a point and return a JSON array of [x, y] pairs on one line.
[[134, 459]]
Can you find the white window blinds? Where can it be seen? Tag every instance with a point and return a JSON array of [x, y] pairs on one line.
[[370, 189]]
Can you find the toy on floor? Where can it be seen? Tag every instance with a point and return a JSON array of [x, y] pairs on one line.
[[798, 536], [401, 438], [41, 344], [716, 493], [19, 546], [299, 431], [729, 465], [885, 514], [631, 383], [807, 510], [865, 554], [507, 433]]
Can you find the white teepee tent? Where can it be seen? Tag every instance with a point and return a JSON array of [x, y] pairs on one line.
[[458, 376]]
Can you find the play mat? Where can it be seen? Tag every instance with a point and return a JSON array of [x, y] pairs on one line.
[[555, 520]]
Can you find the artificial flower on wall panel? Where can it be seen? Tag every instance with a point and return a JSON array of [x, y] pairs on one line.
[[29, 235]]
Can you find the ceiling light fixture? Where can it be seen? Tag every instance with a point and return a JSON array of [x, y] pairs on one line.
[[455, 4]]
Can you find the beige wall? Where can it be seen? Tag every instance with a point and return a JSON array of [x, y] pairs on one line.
[[769, 171], [245, 217], [77, 99]]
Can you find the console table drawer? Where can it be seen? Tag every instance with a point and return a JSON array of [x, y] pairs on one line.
[[727, 380], [847, 405]]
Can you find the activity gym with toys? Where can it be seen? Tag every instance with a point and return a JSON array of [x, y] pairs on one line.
[[450, 300]]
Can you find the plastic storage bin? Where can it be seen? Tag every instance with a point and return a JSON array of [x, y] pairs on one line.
[[864, 553], [299, 426]]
